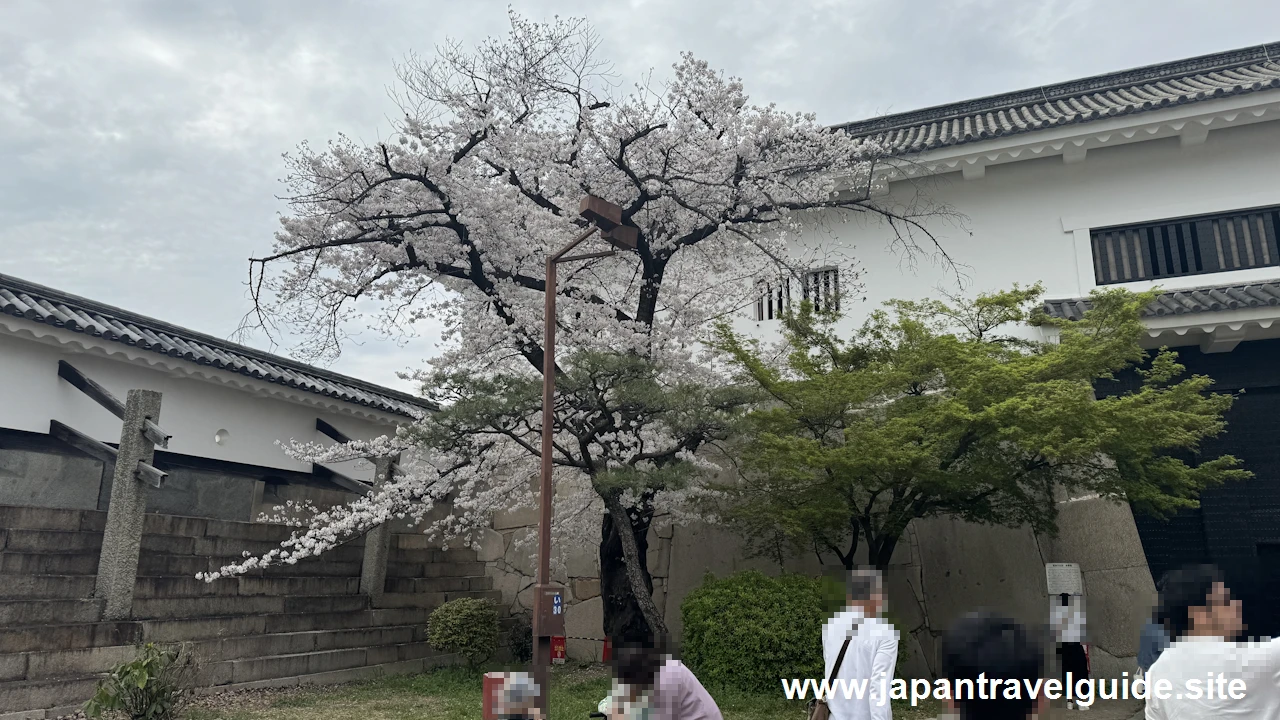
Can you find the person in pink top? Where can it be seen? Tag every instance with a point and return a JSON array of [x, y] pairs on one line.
[[649, 684]]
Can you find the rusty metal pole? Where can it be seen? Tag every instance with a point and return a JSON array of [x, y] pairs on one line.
[[542, 645], [606, 218]]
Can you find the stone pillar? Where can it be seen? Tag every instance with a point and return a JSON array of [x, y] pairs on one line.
[[118, 565], [377, 543]]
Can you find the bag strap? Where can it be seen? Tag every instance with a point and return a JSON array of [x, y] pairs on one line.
[[835, 669]]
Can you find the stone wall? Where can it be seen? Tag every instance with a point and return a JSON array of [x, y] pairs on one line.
[[942, 569]]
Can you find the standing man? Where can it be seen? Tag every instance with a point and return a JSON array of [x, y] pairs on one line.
[[1208, 673], [869, 646], [1067, 621]]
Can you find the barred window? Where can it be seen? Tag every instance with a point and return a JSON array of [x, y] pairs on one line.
[[820, 287], [1188, 246], [773, 299]]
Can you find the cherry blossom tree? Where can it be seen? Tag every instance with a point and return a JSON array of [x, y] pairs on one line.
[[452, 217]]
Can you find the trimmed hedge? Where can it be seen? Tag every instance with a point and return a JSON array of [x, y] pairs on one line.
[[749, 629], [467, 626]]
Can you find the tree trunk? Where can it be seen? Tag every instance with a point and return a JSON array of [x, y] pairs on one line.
[[882, 552], [626, 587]]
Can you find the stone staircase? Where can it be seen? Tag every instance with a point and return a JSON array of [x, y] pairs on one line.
[[302, 623]]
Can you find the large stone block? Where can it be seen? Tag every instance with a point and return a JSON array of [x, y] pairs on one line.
[[521, 553], [46, 479], [585, 588], [967, 566], [490, 546], [1096, 534], [525, 597], [516, 518], [1117, 604], [13, 667], [658, 557], [583, 561], [509, 584], [77, 663], [585, 619], [903, 600], [664, 526]]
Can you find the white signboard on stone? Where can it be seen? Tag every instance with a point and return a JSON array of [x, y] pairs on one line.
[[1063, 578]]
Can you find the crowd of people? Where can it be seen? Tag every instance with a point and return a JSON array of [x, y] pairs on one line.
[[1195, 639]]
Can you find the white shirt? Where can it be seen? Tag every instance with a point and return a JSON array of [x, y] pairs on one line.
[[872, 654], [1193, 658], [1068, 623]]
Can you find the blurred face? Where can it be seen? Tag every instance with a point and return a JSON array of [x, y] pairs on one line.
[[869, 608], [1220, 616]]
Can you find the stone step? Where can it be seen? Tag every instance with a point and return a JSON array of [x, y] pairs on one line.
[[79, 541], [433, 555], [154, 565], [38, 563], [45, 664], [83, 635], [24, 700], [38, 518], [433, 600], [52, 541], [70, 636], [436, 569], [168, 587], [438, 584], [25, 695], [321, 661], [35, 612], [334, 621], [64, 587], [229, 605]]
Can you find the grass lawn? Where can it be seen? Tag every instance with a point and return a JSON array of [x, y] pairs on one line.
[[454, 694]]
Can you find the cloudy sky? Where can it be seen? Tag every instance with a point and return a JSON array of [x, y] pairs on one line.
[[140, 142]]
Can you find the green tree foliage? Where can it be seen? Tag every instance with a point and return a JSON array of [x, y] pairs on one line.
[[466, 626], [934, 408]]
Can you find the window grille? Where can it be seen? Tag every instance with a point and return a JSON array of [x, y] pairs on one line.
[[773, 299], [1189, 246], [820, 287]]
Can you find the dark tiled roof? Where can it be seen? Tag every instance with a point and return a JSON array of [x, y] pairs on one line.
[[46, 305], [1185, 302], [1129, 91]]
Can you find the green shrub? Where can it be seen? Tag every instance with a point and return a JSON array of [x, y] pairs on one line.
[[748, 630], [467, 626], [153, 686]]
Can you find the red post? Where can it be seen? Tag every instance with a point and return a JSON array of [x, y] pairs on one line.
[[492, 689]]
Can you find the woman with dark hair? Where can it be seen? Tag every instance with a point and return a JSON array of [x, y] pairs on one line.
[[648, 684], [1067, 621], [1209, 674]]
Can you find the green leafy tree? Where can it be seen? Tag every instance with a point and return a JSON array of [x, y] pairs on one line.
[[934, 409]]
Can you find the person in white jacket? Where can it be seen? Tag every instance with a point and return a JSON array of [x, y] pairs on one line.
[[1207, 672], [862, 681]]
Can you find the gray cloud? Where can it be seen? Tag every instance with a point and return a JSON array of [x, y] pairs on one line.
[[140, 141]]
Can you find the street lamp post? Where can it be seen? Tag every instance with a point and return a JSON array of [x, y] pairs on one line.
[[548, 607]]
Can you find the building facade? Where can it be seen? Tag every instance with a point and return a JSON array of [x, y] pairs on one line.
[[1164, 177], [226, 406]]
